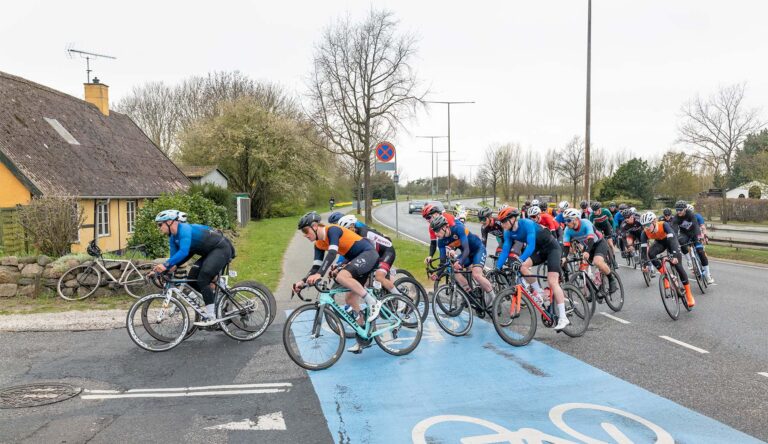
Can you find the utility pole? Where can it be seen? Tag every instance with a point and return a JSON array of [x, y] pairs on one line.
[[589, 78], [432, 187], [449, 103]]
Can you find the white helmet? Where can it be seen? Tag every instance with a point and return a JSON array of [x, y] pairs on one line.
[[534, 211], [348, 221], [564, 205], [535, 202], [571, 213], [503, 206], [690, 207], [647, 218], [182, 216]]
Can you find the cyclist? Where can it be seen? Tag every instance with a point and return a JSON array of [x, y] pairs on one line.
[[472, 252], [544, 219], [186, 240], [428, 212], [524, 209], [361, 259], [489, 225], [613, 209], [383, 246], [666, 215], [689, 232], [334, 217], [585, 210], [702, 224], [595, 248], [664, 236], [630, 230], [602, 221], [618, 218], [331, 202], [540, 247]]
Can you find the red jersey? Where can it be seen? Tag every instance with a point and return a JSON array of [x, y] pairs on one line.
[[451, 222], [547, 221]]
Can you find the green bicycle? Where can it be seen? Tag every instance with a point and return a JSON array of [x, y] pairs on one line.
[[314, 337]]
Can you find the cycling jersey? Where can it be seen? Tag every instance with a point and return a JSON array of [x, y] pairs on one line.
[[602, 218], [547, 221], [633, 229], [618, 219], [687, 224], [191, 239], [338, 240], [469, 244], [584, 234], [527, 231], [665, 239], [433, 237], [493, 228]]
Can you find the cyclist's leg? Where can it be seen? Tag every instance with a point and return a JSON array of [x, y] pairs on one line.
[[704, 261], [654, 250], [386, 259], [210, 267], [477, 263], [357, 269]]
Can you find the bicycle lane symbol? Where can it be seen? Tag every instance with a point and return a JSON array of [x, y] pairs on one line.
[[534, 436]]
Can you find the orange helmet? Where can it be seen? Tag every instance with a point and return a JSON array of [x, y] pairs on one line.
[[507, 213], [429, 209]]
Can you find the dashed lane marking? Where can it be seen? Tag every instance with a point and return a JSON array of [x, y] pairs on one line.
[[213, 390], [763, 374], [694, 348], [615, 318]]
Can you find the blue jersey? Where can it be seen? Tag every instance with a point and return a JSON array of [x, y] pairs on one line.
[[191, 239], [700, 219], [586, 230], [617, 220], [527, 231], [460, 238]]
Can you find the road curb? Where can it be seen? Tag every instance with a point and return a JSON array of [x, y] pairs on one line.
[[64, 321]]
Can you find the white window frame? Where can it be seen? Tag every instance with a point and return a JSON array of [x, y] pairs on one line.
[[130, 214], [102, 218]]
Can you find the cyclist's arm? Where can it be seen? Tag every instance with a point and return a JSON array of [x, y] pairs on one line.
[[530, 243], [334, 234], [484, 233], [674, 245], [644, 245], [695, 228], [184, 235], [464, 242], [505, 249]]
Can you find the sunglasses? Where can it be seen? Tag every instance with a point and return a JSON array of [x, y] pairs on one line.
[[160, 224]]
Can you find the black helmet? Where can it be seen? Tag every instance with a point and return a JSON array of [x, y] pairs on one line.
[[93, 249], [596, 205], [681, 205], [584, 204], [544, 206], [527, 202], [484, 213], [438, 222], [667, 211], [612, 205], [335, 216], [626, 212], [308, 219], [622, 207]]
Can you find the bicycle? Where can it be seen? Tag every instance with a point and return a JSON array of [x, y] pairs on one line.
[[590, 280], [243, 313], [83, 280], [514, 312], [694, 264], [670, 287], [313, 335]]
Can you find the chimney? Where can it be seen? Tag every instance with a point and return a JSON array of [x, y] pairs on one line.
[[98, 94]]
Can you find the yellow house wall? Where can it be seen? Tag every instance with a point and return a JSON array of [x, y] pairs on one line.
[[118, 226], [12, 192]]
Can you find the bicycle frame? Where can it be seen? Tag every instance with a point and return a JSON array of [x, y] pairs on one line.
[[478, 303], [326, 298], [175, 287], [520, 292], [122, 280]]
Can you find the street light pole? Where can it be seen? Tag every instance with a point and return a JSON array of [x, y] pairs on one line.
[[589, 78], [432, 183], [449, 103]]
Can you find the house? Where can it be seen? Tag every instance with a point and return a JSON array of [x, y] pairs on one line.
[[742, 191], [205, 174], [54, 144]]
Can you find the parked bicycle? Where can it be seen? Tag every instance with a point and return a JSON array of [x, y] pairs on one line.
[[314, 338], [83, 280]]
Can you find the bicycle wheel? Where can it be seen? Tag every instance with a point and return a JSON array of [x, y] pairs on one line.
[[146, 322], [514, 320], [577, 311], [263, 289], [397, 339], [668, 294], [309, 340], [614, 300], [170, 322], [579, 280], [698, 273], [136, 283], [404, 273], [412, 289], [245, 312], [78, 282], [647, 277], [541, 270], [450, 306]]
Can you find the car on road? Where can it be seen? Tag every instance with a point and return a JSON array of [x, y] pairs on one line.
[[415, 205]]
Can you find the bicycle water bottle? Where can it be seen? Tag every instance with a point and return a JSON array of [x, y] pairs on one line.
[[377, 285]]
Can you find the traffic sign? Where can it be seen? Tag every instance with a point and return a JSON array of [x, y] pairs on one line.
[[385, 151]]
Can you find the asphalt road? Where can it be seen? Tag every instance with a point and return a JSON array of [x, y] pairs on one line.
[[727, 382]]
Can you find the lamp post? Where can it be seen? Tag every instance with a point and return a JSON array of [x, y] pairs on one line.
[[433, 159], [449, 103], [589, 78]]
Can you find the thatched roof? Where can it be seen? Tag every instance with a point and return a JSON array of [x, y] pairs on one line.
[[109, 156], [199, 171]]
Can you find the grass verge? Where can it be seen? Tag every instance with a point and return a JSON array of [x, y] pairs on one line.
[[739, 254], [410, 254], [260, 249], [50, 302]]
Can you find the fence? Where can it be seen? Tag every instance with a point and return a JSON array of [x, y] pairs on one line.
[[12, 239], [742, 210]]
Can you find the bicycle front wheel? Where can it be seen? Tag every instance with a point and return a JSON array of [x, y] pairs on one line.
[[412, 289], [310, 341], [245, 313], [156, 326], [668, 294], [452, 311], [398, 328], [261, 288], [577, 310], [698, 273], [136, 282], [614, 300], [514, 317], [647, 277], [78, 282]]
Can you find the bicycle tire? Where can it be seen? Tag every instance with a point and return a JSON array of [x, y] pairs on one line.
[[161, 345], [405, 273], [264, 290], [698, 273], [503, 318], [452, 310], [403, 306], [146, 323], [577, 311], [254, 315], [579, 280], [669, 296], [412, 289], [615, 303], [85, 280], [136, 284], [290, 333], [647, 277]]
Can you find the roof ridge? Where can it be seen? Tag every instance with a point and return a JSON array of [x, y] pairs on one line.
[[46, 88]]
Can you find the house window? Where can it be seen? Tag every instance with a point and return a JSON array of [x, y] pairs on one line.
[[131, 213], [102, 217]]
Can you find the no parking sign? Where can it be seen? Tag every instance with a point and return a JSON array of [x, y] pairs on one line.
[[385, 151]]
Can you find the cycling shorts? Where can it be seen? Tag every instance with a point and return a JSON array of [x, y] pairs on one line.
[[599, 249], [549, 253], [476, 259], [362, 265], [386, 259]]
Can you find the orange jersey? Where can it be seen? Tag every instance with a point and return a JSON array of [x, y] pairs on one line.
[[345, 239], [660, 234]]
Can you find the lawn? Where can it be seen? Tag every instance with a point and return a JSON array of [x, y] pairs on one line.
[[49, 302], [260, 248], [410, 254], [740, 254]]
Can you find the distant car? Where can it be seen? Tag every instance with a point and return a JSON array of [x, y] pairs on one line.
[[415, 205]]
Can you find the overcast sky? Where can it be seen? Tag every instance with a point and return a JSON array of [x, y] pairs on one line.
[[523, 62]]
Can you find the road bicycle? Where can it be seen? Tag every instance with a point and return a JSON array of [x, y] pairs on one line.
[[671, 287], [590, 280], [83, 280], [313, 335], [515, 310], [694, 264], [160, 322]]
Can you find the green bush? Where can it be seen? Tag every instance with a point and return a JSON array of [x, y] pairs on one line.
[[199, 209], [220, 195]]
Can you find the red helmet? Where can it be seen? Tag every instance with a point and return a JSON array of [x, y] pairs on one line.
[[429, 209], [507, 213]]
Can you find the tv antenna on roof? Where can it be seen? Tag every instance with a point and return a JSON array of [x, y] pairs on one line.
[[87, 56]]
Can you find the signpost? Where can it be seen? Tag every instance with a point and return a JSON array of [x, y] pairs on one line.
[[385, 153]]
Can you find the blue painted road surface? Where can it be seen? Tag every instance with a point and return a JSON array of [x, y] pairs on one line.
[[478, 389]]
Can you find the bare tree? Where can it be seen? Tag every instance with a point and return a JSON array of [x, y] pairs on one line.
[[531, 170], [599, 165], [362, 87], [510, 165], [570, 164], [550, 168], [491, 169], [152, 108]]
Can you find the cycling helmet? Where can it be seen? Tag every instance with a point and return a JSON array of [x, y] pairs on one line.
[[626, 212], [348, 221], [596, 206], [166, 215], [182, 216], [484, 213], [584, 204], [308, 219], [438, 222], [543, 206], [571, 213], [690, 207], [429, 209], [334, 217], [564, 205], [667, 211], [622, 207], [535, 202], [93, 249], [527, 202], [633, 210], [503, 206], [534, 211], [647, 218], [681, 205], [508, 213], [612, 205]]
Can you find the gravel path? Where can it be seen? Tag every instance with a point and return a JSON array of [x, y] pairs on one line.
[[64, 321]]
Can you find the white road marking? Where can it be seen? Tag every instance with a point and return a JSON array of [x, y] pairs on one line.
[[763, 374], [272, 421], [184, 394], [697, 349], [617, 319], [214, 387], [212, 390]]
